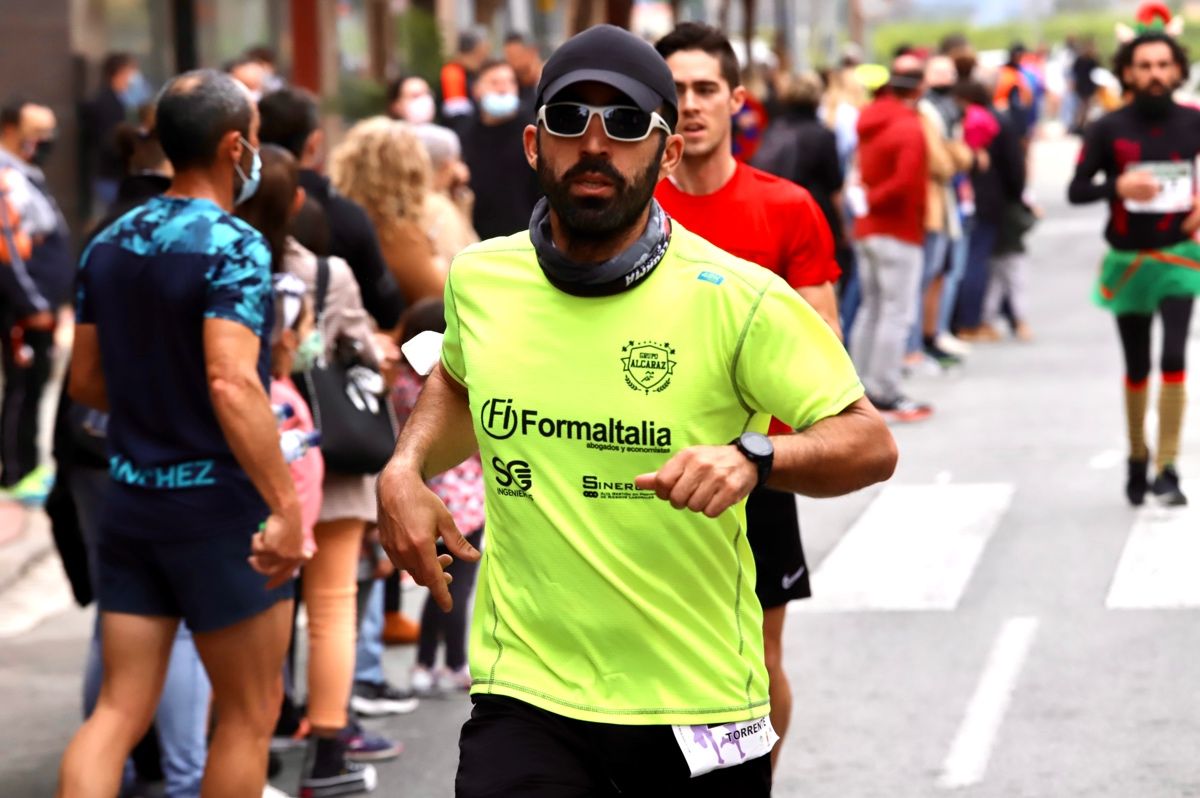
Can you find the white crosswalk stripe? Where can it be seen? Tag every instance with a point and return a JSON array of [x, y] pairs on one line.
[[915, 548], [1158, 568]]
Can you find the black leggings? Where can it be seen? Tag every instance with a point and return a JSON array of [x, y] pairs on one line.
[[451, 627], [1176, 315]]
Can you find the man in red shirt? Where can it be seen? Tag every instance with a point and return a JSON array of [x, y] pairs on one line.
[[890, 235], [769, 221]]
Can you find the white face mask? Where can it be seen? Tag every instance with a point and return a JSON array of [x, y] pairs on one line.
[[419, 110]]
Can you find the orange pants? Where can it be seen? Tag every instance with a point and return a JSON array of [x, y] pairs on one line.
[[330, 590]]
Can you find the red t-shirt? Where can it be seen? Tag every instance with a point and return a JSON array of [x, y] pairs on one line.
[[763, 219]]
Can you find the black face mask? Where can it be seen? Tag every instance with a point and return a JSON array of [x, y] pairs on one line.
[[41, 152], [1151, 105], [941, 91]]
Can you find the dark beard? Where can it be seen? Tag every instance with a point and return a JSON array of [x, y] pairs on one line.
[[593, 218], [1153, 105]]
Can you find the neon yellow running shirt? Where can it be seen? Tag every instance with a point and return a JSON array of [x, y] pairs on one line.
[[595, 600]]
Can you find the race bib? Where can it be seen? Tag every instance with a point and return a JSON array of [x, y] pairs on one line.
[[709, 748], [1176, 182]]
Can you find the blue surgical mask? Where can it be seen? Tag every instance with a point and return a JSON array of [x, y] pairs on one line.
[[137, 93], [500, 105], [250, 182]]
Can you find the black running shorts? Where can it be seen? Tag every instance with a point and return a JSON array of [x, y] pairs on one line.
[[509, 748], [773, 529]]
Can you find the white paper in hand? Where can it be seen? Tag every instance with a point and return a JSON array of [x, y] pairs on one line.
[[423, 351], [1177, 187]]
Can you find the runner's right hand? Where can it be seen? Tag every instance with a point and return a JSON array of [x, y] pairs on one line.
[[411, 517], [1138, 186], [278, 549]]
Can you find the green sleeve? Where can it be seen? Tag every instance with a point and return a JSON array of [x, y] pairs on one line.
[[452, 354], [790, 364]]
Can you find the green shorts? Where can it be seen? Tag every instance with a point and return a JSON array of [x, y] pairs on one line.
[[1137, 281]]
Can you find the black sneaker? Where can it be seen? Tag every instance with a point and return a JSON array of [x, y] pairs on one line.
[[903, 410], [327, 773], [376, 700], [1137, 483], [943, 358], [1166, 488]]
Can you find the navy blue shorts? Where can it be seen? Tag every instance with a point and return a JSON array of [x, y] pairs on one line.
[[205, 581]]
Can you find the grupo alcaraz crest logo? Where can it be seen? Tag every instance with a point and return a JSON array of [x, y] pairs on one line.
[[649, 365]]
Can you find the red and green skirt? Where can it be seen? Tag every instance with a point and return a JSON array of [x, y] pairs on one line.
[[1137, 281]]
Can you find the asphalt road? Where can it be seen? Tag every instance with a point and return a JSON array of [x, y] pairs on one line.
[[994, 623]]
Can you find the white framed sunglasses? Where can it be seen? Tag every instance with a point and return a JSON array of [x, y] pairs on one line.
[[621, 122]]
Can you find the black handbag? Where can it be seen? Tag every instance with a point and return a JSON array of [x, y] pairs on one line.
[[349, 402]]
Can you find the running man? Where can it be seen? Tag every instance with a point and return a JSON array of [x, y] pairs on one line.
[[1146, 152], [617, 373], [175, 307], [769, 221]]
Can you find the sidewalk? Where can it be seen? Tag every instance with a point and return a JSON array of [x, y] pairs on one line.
[[26, 542], [24, 538], [33, 586]]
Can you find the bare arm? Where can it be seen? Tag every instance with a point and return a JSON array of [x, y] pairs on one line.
[[838, 455], [438, 436], [824, 301], [244, 413], [835, 456], [87, 378]]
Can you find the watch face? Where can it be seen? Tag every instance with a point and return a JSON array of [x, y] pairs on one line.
[[757, 445]]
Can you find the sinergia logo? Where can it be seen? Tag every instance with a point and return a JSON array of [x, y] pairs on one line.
[[648, 365], [595, 487], [498, 418], [515, 477]]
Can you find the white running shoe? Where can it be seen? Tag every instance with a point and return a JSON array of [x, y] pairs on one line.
[[422, 681], [948, 343], [458, 681]]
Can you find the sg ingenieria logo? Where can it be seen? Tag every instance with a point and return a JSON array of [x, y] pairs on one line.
[[513, 478]]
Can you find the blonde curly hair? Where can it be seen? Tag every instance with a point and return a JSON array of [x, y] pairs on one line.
[[382, 165]]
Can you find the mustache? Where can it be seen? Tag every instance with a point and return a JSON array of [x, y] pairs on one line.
[[597, 166]]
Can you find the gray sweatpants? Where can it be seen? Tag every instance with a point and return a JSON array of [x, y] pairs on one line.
[[889, 274], [1007, 279]]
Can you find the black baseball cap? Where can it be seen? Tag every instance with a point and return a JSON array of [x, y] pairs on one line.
[[615, 57]]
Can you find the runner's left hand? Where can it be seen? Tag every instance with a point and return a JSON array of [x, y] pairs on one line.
[[704, 479]]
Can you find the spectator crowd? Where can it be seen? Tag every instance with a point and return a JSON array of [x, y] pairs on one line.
[[920, 175]]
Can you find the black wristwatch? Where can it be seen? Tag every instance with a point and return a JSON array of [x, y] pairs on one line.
[[759, 450]]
